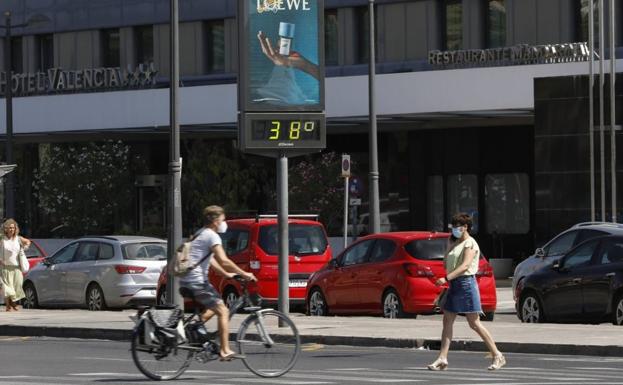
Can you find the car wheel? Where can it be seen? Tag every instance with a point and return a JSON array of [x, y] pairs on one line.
[[317, 305], [617, 311], [392, 307], [230, 297], [530, 309], [30, 300], [162, 296], [95, 298], [488, 316]]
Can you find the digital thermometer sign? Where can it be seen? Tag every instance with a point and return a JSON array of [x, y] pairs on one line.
[[284, 132]]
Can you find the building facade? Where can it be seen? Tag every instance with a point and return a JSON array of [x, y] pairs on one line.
[[466, 102]]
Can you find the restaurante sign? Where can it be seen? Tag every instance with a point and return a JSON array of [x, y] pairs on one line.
[[56, 80], [516, 55]]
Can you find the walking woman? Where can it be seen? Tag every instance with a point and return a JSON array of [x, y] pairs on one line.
[[11, 246], [461, 263]]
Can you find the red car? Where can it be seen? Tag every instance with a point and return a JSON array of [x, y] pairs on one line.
[[392, 274], [252, 245], [35, 254]]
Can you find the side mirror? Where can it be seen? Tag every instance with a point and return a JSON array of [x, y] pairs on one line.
[[46, 262], [540, 252], [333, 263], [556, 265]]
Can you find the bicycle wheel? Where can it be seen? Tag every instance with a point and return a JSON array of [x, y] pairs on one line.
[[270, 350], [158, 361]]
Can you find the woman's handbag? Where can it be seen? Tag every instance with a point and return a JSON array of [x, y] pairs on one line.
[[24, 266], [440, 301]]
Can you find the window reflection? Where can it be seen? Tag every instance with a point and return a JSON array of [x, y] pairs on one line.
[[507, 203], [454, 25], [331, 37], [463, 197], [497, 24], [435, 197]]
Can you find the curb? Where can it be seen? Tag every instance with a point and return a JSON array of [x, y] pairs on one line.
[[464, 345]]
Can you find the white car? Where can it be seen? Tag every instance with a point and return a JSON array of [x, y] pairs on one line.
[[562, 243]]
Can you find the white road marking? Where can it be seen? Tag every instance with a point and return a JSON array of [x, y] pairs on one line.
[[101, 359]]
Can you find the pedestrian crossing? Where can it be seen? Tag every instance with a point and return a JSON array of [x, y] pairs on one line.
[[568, 375]]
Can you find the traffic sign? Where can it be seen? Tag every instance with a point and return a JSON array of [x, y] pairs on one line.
[[345, 166], [355, 201]]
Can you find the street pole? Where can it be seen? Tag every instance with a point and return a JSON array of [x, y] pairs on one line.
[[374, 220], [613, 144], [591, 102], [175, 166], [602, 134], [284, 252], [8, 96], [346, 211]]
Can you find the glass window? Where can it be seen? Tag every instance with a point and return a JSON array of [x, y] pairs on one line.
[[454, 25], [111, 48], [463, 197], [215, 46], [583, 19], [428, 249], [588, 234], [17, 61], [106, 251], [581, 256], [145, 251], [144, 39], [357, 254], [331, 37], [362, 22], [383, 250], [434, 207], [304, 239], [562, 244], [496, 33], [507, 203], [45, 52], [87, 252], [612, 252], [66, 254], [235, 241], [33, 252]]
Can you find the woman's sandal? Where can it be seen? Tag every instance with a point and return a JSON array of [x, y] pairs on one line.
[[439, 364]]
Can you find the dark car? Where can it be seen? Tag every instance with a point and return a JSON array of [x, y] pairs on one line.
[[585, 285]]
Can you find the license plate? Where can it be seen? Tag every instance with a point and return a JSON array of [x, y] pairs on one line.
[[297, 283]]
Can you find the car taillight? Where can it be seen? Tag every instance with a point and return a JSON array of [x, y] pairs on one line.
[[126, 269], [485, 271], [415, 270], [255, 265]]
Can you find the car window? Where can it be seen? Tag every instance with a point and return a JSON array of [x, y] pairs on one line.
[[586, 234], [304, 239], [427, 248], [611, 252], [235, 241], [562, 244], [357, 254], [86, 252], [33, 252], [581, 256], [66, 254], [383, 250], [106, 251], [145, 251]]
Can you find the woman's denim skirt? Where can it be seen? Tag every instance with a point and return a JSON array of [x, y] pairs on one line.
[[463, 296]]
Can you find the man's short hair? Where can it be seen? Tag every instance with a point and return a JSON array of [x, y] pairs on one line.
[[212, 213]]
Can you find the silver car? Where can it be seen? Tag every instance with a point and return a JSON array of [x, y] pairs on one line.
[[98, 273]]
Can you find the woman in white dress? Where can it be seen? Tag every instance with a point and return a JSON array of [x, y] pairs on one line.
[[11, 276]]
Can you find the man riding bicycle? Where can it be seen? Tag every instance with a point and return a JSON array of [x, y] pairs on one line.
[[208, 243]]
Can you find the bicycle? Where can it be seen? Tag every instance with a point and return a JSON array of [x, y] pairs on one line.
[[165, 342]]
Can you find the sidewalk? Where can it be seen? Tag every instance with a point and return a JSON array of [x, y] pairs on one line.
[[423, 332]]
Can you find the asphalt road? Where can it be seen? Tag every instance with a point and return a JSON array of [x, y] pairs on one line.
[[28, 361]]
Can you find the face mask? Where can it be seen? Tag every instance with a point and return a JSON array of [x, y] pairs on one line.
[[222, 227], [457, 232]]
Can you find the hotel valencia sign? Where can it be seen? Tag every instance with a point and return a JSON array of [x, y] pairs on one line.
[[57, 80], [521, 54]]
